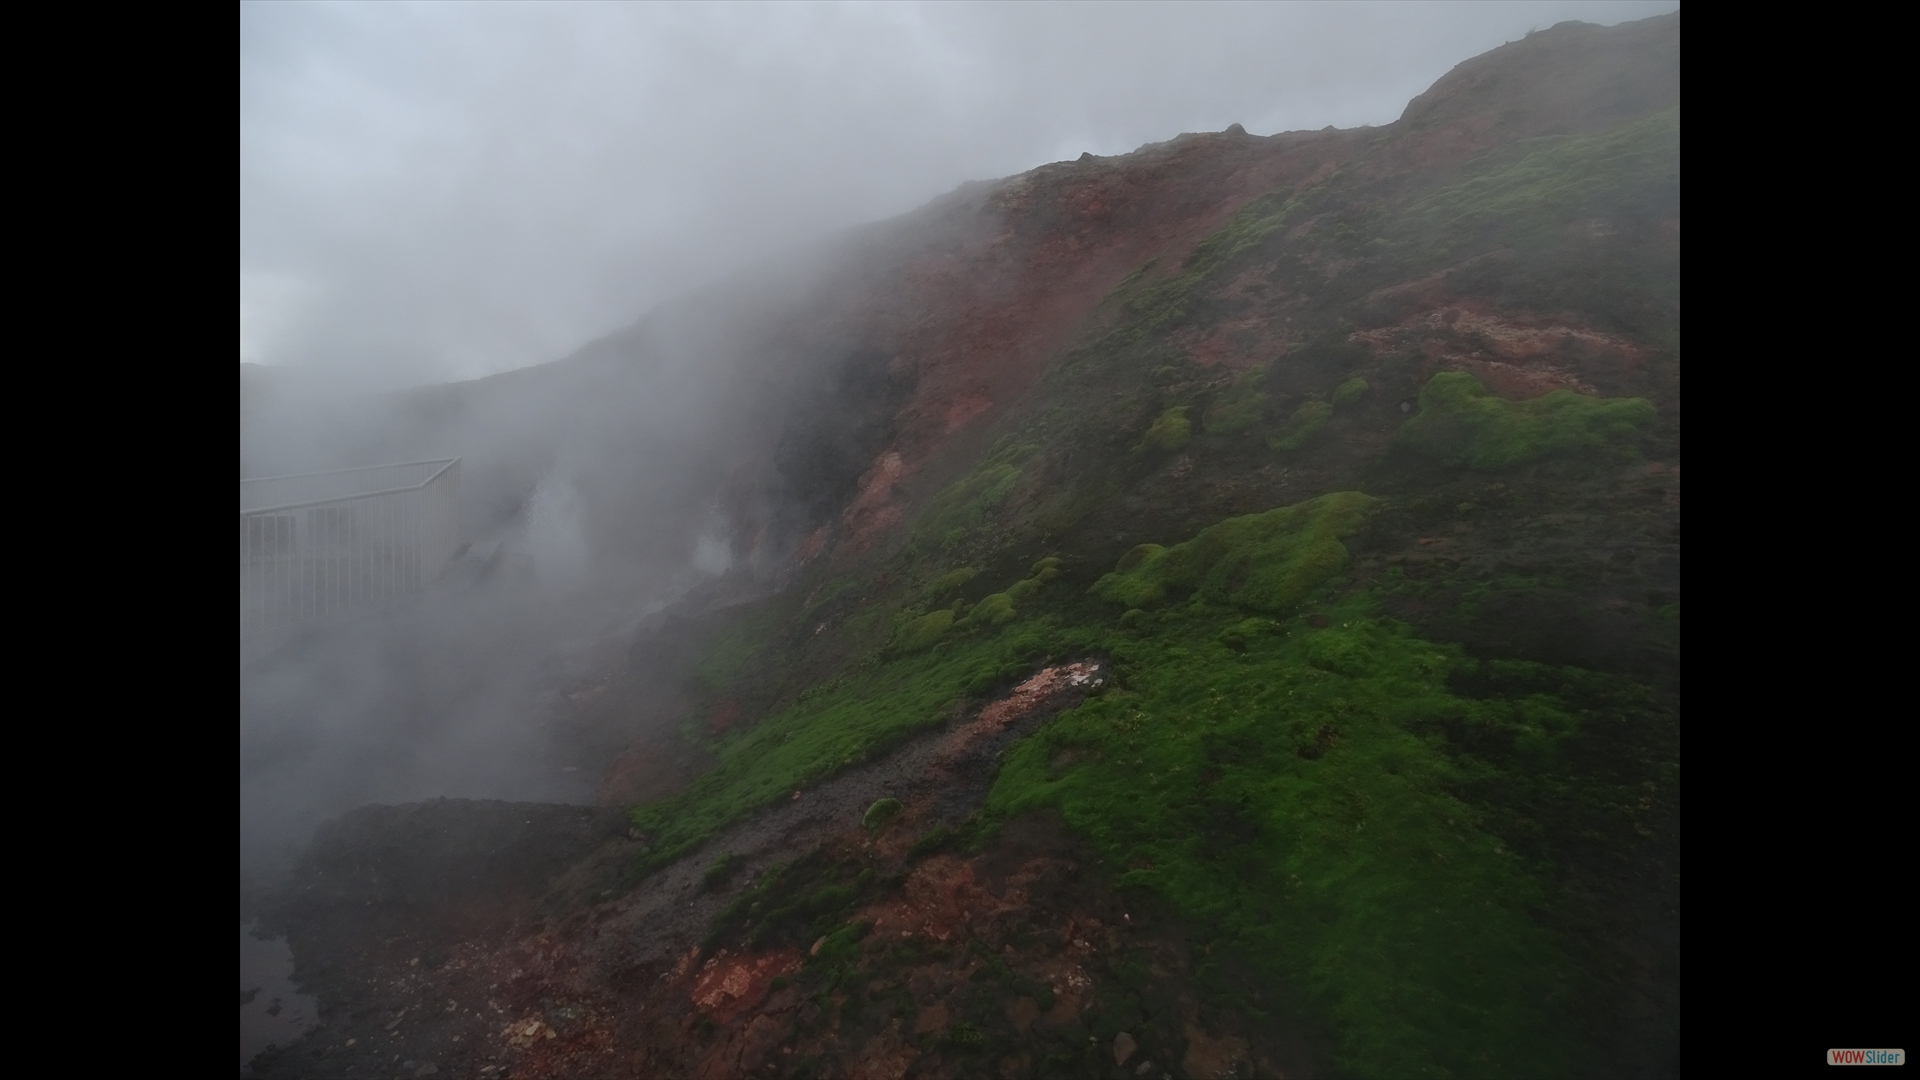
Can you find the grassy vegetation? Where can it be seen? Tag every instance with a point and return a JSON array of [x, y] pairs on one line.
[[998, 609], [1349, 392], [921, 633], [1580, 224], [1166, 305], [1301, 427], [1170, 431], [948, 583], [1384, 822], [1266, 562], [736, 648], [1374, 817], [1527, 192], [880, 813], [967, 504], [1380, 817], [721, 871], [1460, 424], [1300, 795], [796, 904], [1239, 407], [841, 721]]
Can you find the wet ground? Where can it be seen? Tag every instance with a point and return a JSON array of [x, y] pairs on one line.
[[272, 1011]]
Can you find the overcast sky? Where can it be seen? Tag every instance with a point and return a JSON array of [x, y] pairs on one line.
[[439, 191]]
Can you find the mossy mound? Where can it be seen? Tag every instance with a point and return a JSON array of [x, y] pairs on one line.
[[921, 633], [1265, 562], [1170, 432], [1239, 407], [997, 609], [1460, 424], [1302, 426], [1235, 637], [1349, 392], [947, 583], [993, 609], [880, 813], [968, 503]]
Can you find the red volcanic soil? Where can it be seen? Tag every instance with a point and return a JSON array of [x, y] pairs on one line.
[[1019, 269], [977, 321]]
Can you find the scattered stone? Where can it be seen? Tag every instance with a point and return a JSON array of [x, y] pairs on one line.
[[1123, 1048]]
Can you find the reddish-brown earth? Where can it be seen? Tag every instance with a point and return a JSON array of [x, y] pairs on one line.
[[975, 320]]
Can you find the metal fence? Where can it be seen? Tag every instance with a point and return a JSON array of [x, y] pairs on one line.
[[318, 545]]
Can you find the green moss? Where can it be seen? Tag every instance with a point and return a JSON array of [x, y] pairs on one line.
[[1239, 407], [1266, 562], [994, 609], [1349, 392], [734, 650], [835, 724], [880, 813], [797, 904], [1367, 815], [963, 1036], [998, 609], [923, 632], [1528, 191], [1576, 223], [968, 503], [721, 871], [947, 583], [1237, 636], [1135, 556], [1460, 424], [1302, 798], [1170, 431], [1164, 306], [1301, 427], [936, 839]]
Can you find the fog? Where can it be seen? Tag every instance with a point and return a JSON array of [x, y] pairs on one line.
[[646, 226], [441, 191]]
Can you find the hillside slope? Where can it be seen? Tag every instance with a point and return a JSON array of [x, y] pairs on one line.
[[1221, 619]]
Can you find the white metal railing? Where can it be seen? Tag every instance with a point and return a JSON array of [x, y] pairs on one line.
[[321, 544]]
